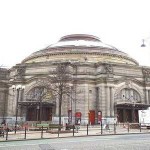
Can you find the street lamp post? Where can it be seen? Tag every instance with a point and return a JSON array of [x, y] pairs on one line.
[[75, 98], [37, 108], [99, 120], [85, 59], [17, 88]]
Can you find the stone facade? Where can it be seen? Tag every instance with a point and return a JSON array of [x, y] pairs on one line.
[[4, 84], [105, 80]]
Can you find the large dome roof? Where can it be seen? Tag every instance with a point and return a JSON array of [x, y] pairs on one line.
[[79, 40], [77, 46]]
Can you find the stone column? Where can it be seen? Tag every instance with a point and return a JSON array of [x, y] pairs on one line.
[[146, 96], [102, 99], [112, 102], [86, 96], [108, 101], [149, 96], [97, 99], [147, 100]]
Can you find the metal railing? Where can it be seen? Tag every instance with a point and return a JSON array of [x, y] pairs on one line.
[[76, 130]]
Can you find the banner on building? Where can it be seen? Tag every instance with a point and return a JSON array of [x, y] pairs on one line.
[[69, 116], [99, 116]]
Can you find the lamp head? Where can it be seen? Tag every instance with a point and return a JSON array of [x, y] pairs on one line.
[[143, 44], [23, 87], [18, 87], [13, 87]]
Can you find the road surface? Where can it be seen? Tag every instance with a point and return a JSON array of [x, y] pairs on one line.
[[109, 142]]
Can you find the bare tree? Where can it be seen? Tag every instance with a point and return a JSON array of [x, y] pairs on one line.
[[59, 83]]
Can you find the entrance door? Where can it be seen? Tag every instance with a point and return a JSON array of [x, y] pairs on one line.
[[119, 115], [47, 114], [136, 116], [33, 114], [128, 115], [92, 117]]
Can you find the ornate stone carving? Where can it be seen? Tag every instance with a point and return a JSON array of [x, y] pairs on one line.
[[146, 73], [108, 68], [20, 71], [128, 84], [41, 81]]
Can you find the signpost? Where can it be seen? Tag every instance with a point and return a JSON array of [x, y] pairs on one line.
[[144, 117]]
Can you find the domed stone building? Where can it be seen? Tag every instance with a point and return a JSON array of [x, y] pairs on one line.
[[107, 83], [4, 80]]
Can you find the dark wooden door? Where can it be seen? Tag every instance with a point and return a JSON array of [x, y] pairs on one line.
[[34, 114], [92, 117]]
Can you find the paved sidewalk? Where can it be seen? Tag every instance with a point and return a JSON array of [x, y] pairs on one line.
[[92, 130]]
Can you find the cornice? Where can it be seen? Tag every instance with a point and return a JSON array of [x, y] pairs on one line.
[[80, 52]]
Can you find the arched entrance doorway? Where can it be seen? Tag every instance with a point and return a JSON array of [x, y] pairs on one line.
[[43, 114], [127, 104], [128, 112], [39, 104]]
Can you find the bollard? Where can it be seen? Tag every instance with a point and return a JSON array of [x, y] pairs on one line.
[[25, 133], [128, 127], [140, 127], [7, 134], [114, 128], [42, 133], [87, 129], [58, 130], [15, 128], [73, 129], [101, 128]]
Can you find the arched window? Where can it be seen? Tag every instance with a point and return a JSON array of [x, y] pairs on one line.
[[39, 93], [129, 95]]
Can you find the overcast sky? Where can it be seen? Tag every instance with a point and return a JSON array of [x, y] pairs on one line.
[[27, 26]]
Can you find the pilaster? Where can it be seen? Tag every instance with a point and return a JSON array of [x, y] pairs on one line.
[[147, 100], [108, 101], [112, 102]]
